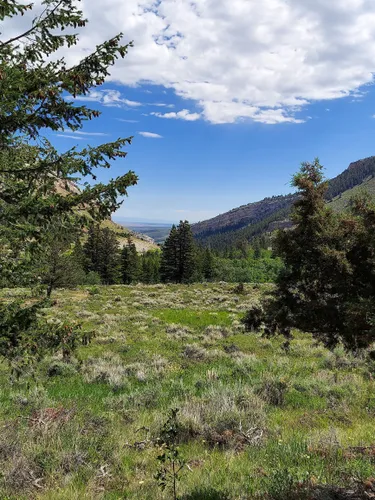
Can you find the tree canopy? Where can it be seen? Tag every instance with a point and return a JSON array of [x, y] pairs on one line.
[[327, 286], [38, 90]]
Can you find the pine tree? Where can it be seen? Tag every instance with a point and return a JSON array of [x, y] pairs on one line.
[[170, 257], [103, 255], [179, 259], [37, 95], [60, 263], [208, 264], [187, 264], [327, 287], [130, 265], [109, 258], [257, 249], [91, 249], [150, 267]]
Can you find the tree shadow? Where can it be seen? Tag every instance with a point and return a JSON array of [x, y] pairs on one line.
[[325, 492], [334, 493]]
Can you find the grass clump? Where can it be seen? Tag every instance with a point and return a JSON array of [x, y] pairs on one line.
[[225, 416], [108, 369]]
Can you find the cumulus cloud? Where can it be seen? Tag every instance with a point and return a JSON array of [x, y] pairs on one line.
[[108, 98], [239, 59], [150, 135], [182, 115]]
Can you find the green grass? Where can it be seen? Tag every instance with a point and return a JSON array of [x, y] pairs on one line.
[[256, 422]]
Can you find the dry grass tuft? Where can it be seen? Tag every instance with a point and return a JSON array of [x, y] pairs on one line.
[[225, 416]]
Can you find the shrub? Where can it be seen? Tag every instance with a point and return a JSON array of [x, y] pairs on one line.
[[253, 319], [59, 368], [225, 416], [273, 390], [92, 278], [108, 369]]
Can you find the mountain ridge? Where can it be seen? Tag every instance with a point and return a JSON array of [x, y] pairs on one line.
[[248, 221]]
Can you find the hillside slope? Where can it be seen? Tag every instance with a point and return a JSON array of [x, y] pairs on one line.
[[248, 221], [142, 242], [341, 202]]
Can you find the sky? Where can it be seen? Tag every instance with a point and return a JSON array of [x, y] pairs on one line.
[[225, 98]]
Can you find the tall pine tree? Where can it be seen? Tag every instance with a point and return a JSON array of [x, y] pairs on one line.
[[37, 96], [170, 257], [102, 251], [179, 259], [327, 287], [130, 263]]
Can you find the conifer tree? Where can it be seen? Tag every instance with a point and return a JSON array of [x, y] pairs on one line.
[[60, 263], [327, 287], [257, 249], [130, 265], [103, 255], [179, 259], [170, 257], [37, 95], [91, 249], [187, 253], [208, 264]]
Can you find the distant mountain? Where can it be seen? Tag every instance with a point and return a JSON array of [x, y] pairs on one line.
[[254, 219]]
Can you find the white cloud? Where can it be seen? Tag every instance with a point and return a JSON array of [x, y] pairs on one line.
[[81, 132], [126, 121], [239, 59], [182, 115], [108, 97], [161, 105], [150, 135], [67, 136]]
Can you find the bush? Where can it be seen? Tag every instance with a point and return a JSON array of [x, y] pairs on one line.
[[253, 319], [273, 391], [92, 278], [225, 416]]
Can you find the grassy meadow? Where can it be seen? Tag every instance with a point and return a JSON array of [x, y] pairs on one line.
[[255, 421]]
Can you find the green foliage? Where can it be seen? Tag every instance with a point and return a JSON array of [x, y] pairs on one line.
[[60, 262], [37, 190], [170, 459], [250, 270], [179, 259], [91, 425], [327, 286], [103, 254], [150, 266], [25, 338], [130, 265], [208, 264]]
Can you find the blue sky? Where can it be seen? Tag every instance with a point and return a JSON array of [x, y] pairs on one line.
[[230, 95], [197, 169]]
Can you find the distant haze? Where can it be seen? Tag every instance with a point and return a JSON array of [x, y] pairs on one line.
[[127, 221]]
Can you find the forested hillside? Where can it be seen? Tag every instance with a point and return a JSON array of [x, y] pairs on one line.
[[248, 221]]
